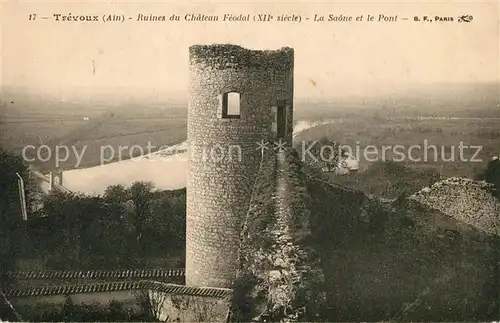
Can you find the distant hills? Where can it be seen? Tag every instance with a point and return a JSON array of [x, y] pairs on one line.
[[435, 93], [419, 95]]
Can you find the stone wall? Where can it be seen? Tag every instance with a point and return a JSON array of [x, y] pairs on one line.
[[126, 297], [469, 201], [224, 155]]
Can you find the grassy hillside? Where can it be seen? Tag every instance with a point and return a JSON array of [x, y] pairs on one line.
[[389, 179], [400, 261]]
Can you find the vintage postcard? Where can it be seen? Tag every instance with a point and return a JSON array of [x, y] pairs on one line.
[[249, 162]]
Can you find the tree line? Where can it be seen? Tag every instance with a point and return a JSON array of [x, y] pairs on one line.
[[118, 229]]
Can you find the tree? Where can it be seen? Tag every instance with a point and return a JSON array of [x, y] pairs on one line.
[[87, 230], [11, 234], [101, 234], [66, 220], [140, 194], [151, 304], [116, 194], [323, 154]]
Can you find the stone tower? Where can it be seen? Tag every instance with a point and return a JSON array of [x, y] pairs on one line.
[[238, 98]]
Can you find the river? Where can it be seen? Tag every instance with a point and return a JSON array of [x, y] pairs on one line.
[[167, 169]]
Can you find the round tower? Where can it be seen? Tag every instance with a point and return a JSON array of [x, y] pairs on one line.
[[238, 98]]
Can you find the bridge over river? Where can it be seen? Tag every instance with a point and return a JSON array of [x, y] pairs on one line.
[[48, 183]]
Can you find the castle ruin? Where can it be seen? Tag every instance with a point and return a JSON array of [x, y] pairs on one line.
[[238, 98]]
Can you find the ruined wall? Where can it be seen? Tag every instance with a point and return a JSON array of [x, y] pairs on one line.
[[472, 202], [223, 152], [280, 278], [400, 261]]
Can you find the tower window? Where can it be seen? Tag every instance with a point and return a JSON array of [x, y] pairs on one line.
[[231, 105]]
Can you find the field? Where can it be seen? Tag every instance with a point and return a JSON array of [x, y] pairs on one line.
[[99, 133], [418, 138]]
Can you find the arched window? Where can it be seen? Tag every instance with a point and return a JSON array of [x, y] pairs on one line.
[[231, 105]]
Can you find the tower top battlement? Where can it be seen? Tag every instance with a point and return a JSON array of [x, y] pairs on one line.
[[224, 56]]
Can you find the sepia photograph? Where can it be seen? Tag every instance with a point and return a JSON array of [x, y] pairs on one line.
[[273, 161]]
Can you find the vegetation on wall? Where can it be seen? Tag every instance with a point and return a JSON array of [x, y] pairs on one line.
[[279, 277], [261, 209], [246, 302]]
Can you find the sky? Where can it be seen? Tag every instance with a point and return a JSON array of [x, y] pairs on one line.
[[331, 58]]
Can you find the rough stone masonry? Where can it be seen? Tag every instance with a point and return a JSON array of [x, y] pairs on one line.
[[224, 155]]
